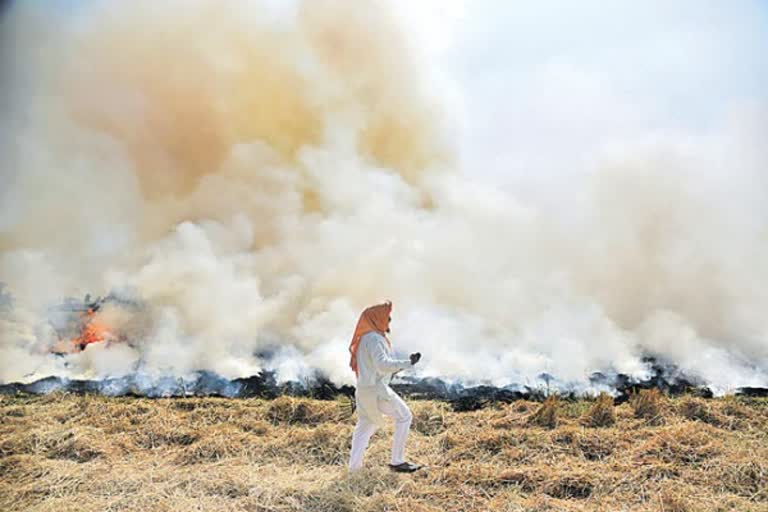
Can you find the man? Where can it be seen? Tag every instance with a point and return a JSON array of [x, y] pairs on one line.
[[372, 363]]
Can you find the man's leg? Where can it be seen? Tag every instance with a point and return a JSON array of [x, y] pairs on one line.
[[398, 409], [360, 438]]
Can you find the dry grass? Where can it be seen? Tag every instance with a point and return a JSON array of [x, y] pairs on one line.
[[648, 404], [87, 453], [698, 409], [601, 414], [430, 418], [546, 415]]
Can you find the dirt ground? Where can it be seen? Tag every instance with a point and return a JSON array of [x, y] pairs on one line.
[[92, 453]]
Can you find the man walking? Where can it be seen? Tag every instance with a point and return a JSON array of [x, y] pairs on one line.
[[372, 363]]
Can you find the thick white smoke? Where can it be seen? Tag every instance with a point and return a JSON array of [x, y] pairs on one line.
[[258, 172]]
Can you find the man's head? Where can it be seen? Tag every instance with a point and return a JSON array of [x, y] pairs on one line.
[[375, 318], [379, 316]]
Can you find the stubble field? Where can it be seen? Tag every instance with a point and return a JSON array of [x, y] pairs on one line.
[[92, 453]]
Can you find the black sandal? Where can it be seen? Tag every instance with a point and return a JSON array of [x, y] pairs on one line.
[[405, 467]]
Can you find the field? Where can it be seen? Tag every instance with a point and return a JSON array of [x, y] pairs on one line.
[[91, 453]]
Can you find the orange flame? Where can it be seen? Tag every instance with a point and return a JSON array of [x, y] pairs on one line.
[[93, 331]]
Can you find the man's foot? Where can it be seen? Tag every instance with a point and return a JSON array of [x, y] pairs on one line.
[[405, 467]]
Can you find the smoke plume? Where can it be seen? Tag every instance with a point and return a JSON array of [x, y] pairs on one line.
[[255, 173]]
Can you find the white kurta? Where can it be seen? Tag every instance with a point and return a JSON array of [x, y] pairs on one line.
[[375, 367], [375, 398]]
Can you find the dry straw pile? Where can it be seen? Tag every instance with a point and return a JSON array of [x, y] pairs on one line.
[[89, 453]]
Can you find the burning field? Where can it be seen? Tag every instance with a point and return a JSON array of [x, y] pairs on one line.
[[550, 213], [63, 452]]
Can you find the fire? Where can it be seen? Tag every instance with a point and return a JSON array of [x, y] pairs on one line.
[[79, 323], [92, 331]]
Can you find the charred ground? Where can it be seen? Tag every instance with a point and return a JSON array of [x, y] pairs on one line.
[[462, 398]]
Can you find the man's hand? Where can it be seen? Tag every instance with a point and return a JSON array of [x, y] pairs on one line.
[[415, 358]]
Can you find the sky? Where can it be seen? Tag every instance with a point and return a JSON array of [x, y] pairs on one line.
[[545, 85]]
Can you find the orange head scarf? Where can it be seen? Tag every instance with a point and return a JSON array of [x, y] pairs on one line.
[[374, 318]]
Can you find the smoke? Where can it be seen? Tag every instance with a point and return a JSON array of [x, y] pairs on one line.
[[256, 173]]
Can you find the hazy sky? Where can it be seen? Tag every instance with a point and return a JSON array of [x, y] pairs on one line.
[[545, 85]]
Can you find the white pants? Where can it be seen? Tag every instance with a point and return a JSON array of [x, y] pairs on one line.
[[365, 428]]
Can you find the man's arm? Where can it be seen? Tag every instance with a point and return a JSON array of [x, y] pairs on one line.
[[384, 363]]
